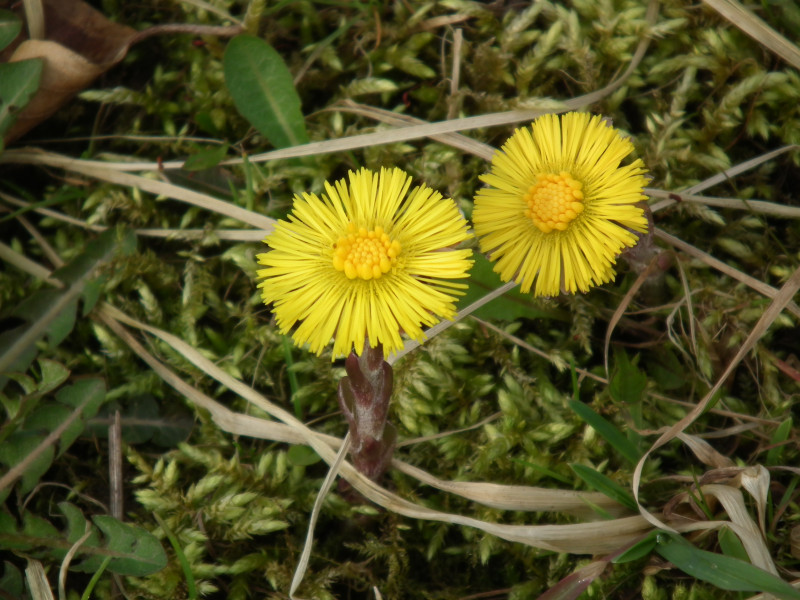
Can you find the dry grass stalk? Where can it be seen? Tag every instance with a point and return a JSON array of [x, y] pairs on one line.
[[757, 29], [781, 300]]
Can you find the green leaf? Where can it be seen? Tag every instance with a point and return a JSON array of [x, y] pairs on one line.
[[18, 83], [628, 383], [145, 553], [205, 122], [10, 26], [133, 550], [777, 441], [606, 430], [722, 571], [76, 525], [144, 421], [639, 550], [88, 394], [263, 91], [36, 527], [604, 485], [302, 456], [11, 581], [17, 447], [53, 375], [44, 418], [666, 370], [731, 545], [206, 159], [53, 312], [508, 307], [91, 294]]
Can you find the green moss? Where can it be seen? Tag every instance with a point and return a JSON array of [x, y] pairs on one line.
[[705, 97]]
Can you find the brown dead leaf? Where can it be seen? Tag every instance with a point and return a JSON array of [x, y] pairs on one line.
[[79, 44]]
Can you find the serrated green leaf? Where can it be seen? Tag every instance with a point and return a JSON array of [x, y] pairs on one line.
[[10, 26], [46, 417], [17, 447], [133, 550], [26, 382], [97, 252], [88, 393], [145, 555], [724, 572], [263, 91], [36, 527], [18, 83], [604, 485], [52, 312], [53, 375], [76, 525], [666, 370], [43, 419], [12, 406]]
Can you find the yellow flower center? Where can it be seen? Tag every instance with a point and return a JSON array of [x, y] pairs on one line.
[[365, 254], [553, 201]]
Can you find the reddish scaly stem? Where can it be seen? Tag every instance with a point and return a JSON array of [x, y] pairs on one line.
[[364, 396]]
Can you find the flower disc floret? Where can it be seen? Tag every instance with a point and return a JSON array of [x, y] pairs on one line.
[[559, 207], [553, 201], [367, 261], [365, 254]]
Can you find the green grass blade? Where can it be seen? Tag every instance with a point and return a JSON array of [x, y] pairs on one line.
[[607, 431], [725, 572], [191, 587], [639, 550], [777, 442], [731, 545], [543, 470], [87, 593], [294, 386], [604, 485]]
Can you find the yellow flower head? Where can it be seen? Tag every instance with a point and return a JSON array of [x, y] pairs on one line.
[[367, 261], [559, 207]]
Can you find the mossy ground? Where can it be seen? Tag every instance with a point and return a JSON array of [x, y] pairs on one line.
[[705, 97]]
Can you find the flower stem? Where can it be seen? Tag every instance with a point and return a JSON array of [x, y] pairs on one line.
[[364, 395]]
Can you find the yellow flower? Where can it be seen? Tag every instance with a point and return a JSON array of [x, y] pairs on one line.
[[367, 261], [560, 208]]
